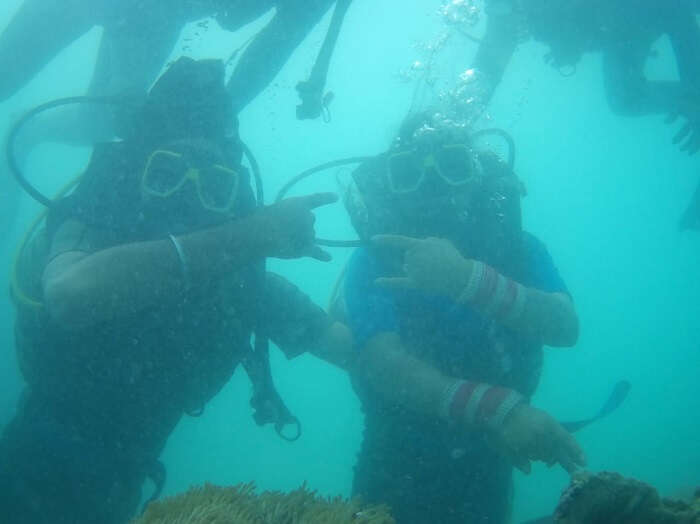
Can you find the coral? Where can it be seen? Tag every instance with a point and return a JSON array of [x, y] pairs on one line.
[[611, 498], [241, 505]]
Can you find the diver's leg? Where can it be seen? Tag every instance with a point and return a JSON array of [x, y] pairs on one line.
[[628, 91], [272, 47], [131, 55], [36, 33]]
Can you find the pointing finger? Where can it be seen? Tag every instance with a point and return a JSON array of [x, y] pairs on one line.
[[318, 199]]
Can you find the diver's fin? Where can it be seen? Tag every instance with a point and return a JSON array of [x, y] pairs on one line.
[[617, 397]]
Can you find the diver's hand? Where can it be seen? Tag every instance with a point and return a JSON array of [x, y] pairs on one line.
[[688, 137], [287, 227], [433, 265], [529, 434]]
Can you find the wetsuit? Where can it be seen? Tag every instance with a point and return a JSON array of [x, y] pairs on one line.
[[425, 470], [102, 400]]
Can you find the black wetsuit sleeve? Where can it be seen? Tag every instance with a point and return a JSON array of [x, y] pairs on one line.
[[289, 317], [496, 49]]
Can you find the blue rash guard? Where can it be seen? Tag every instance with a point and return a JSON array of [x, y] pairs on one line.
[[424, 470]]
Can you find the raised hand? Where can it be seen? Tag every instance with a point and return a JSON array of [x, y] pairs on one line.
[[288, 226], [432, 265]]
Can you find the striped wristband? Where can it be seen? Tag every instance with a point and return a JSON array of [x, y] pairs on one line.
[[478, 404], [493, 293]]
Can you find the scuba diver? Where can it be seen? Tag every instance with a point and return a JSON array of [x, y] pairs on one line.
[[449, 304], [624, 31], [142, 302]]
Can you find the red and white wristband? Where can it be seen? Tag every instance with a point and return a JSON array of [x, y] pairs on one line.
[[493, 293], [478, 404]]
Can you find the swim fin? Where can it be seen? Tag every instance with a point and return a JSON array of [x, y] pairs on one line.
[[616, 398]]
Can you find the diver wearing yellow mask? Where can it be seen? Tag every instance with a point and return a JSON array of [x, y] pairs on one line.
[[151, 289]]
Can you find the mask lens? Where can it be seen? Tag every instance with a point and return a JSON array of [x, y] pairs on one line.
[[454, 163], [217, 187], [164, 174], [405, 172]]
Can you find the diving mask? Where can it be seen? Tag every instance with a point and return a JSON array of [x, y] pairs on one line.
[[455, 164], [167, 172]]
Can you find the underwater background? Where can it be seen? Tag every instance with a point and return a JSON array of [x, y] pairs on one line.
[[604, 193]]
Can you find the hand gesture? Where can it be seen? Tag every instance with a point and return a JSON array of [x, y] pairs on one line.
[[287, 226], [529, 434], [432, 265]]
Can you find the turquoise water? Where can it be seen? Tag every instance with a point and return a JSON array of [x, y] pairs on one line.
[[605, 193]]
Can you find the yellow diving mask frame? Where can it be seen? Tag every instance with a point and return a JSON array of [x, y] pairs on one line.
[[167, 172], [455, 164]]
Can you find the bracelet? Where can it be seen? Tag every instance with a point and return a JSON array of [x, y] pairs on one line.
[[472, 287], [503, 409], [184, 267], [493, 293], [478, 404]]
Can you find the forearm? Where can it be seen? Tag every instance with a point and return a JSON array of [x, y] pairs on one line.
[[127, 278], [266, 55], [547, 317], [335, 346], [400, 378], [403, 380]]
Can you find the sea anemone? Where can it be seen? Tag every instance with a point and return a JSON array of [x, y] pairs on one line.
[[241, 505]]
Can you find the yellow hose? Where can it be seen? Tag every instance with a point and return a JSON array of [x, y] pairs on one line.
[[17, 293]]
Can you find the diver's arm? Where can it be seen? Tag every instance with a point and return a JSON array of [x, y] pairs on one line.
[[38, 31], [297, 325], [85, 288], [272, 47], [521, 432], [434, 265], [494, 53], [547, 317], [385, 366]]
